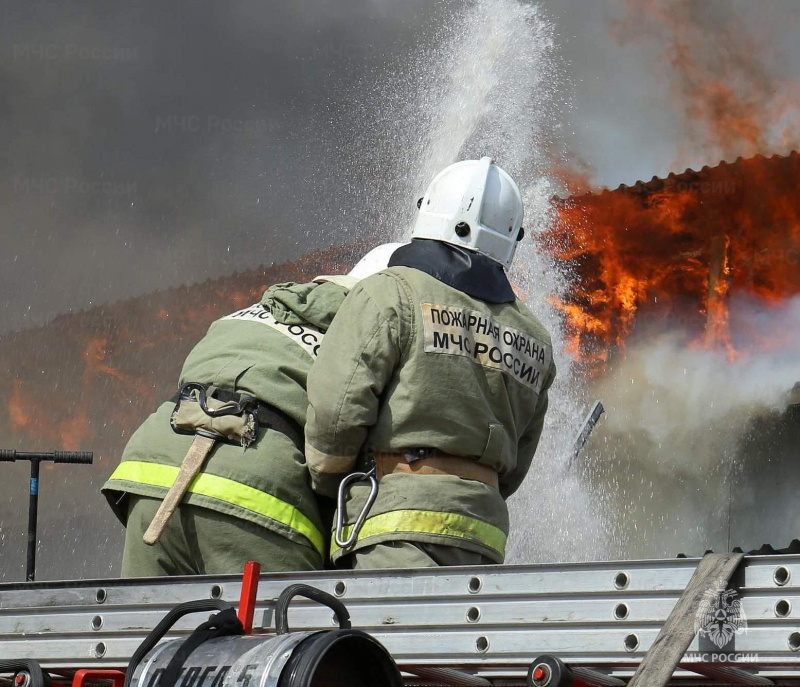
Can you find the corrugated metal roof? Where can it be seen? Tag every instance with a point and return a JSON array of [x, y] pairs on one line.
[[687, 178]]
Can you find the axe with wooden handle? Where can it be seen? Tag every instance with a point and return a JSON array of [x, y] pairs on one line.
[[190, 467]]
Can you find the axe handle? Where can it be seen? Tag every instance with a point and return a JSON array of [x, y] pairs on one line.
[[190, 467]]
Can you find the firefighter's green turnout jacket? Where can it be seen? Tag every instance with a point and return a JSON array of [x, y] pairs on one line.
[[267, 351], [411, 362]]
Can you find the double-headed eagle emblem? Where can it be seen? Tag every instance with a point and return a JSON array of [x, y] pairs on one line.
[[720, 617]]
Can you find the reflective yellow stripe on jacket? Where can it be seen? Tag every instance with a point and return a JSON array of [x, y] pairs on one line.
[[224, 489], [431, 522]]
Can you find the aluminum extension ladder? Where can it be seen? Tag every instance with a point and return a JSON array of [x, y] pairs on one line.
[[468, 626]]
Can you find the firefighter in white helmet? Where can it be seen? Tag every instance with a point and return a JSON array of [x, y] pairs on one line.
[[433, 379], [251, 499]]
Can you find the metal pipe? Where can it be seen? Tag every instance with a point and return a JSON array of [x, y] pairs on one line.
[[33, 515], [35, 458]]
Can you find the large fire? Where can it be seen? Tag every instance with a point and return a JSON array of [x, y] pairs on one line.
[[87, 380], [675, 253], [671, 254]]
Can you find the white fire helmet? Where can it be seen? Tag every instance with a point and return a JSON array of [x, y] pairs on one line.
[[476, 205], [375, 261], [372, 263]]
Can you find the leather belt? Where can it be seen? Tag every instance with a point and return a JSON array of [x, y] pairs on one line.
[[439, 464]]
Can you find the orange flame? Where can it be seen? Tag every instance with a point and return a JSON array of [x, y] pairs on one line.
[[16, 408], [722, 75], [669, 254], [87, 380]]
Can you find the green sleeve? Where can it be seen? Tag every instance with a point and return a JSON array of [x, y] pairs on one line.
[[356, 360], [526, 448]]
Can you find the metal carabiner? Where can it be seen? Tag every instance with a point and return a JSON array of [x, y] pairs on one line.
[[362, 516]]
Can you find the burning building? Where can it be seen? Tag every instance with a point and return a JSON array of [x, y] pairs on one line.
[[674, 253], [683, 308], [709, 258]]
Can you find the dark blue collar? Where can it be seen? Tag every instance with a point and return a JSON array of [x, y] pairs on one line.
[[469, 272]]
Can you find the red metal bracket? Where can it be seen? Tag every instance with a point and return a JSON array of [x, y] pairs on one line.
[[92, 674], [247, 600]]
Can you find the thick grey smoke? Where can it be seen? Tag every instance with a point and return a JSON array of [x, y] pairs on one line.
[[686, 429], [147, 146]]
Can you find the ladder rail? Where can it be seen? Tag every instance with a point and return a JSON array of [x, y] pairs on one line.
[[491, 621]]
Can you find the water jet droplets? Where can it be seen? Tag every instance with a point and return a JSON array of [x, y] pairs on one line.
[[493, 85]]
